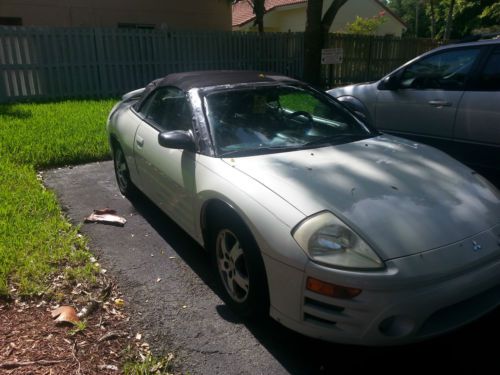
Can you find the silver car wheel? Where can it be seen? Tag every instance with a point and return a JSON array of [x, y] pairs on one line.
[[232, 265]]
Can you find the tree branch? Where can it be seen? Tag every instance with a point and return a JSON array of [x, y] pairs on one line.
[[330, 15]]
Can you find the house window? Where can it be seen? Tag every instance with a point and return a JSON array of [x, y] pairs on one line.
[[127, 25], [11, 21]]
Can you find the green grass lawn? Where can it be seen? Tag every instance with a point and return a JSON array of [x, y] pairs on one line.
[[35, 239]]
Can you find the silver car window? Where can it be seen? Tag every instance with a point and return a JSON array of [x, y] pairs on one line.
[[489, 79], [447, 70]]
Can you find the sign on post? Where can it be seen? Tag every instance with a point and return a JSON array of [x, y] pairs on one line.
[[332, 55]]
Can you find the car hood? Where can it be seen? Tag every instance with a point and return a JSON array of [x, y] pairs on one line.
[[402, 197]]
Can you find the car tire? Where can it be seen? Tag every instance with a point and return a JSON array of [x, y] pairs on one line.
[[239, 268], [122, 173]]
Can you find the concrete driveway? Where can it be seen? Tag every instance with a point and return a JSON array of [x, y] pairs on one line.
[[173, 300]]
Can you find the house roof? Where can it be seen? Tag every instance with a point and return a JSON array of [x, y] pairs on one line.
[[243, 11]]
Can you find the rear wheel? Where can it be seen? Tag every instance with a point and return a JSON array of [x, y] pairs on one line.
[[125, 184], [240, 268]]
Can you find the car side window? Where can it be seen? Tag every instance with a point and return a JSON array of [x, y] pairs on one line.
[[168, 109], [489, 78], [447, 70]]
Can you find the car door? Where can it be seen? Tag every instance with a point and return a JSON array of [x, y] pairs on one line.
[[478, 118], [426, 99], [166, 175]]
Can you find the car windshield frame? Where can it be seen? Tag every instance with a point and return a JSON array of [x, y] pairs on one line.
[[310, 139]]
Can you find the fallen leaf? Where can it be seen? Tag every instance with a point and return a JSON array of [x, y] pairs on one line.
[[138, 336], [119, 303], [65, 314]]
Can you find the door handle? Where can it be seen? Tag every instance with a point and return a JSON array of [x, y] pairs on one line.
[[439, 103], [139, 141]]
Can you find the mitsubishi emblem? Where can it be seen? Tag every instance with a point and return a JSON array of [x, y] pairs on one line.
[[476, 246]]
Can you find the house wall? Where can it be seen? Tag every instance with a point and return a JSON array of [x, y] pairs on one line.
[[174, 14], [293, 18], [364, 8]]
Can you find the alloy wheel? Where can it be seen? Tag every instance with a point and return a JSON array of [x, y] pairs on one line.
[[232, 265]]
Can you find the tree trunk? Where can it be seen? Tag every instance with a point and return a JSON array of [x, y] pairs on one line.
[[316, 37], [449, 21], [313, 43], [433, 20], [417, 11], [259, 10]]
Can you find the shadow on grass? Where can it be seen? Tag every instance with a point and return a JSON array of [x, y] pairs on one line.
[[8, 110]]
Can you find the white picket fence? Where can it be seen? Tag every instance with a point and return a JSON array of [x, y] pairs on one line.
[[58, 63]]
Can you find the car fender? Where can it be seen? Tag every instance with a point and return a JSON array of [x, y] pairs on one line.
[[269, 217]]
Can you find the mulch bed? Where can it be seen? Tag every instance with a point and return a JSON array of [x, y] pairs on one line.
[[32, 343]]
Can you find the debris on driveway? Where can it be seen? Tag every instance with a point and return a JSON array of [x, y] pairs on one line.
[[105, 216]]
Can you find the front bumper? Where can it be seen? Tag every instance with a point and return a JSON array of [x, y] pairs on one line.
[[414, 298]]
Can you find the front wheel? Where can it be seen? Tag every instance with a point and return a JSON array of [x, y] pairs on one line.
[[125, 184], [240, 269]]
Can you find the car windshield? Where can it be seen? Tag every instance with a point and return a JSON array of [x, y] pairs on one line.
[[264, 119]]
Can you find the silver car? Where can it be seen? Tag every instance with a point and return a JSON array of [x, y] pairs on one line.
[[448, 97], [310, 215]]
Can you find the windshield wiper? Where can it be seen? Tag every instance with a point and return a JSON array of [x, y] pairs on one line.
[[259, 150], [338, 138]]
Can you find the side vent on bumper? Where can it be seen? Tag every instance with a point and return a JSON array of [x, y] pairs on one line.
[[321, 312]]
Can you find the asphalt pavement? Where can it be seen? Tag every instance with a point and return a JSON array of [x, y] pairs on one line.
[[174, 302]]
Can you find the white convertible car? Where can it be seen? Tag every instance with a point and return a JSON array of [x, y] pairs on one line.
[[334, 229]]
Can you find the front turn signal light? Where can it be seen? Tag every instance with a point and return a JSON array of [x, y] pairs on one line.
[[331, 290]]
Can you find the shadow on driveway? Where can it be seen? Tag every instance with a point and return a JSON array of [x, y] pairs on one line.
[[470, 347]]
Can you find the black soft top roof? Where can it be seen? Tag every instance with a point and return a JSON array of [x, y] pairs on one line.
[[200, 79], [210, 78]]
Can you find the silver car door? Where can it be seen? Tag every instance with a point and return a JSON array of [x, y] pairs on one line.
[[478, 118], [426, 101], [167, 175]]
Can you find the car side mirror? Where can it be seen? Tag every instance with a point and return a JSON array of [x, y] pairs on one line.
[[177, 139], [390, 83]]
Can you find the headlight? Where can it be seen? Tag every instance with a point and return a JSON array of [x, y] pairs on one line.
[[328, 240]]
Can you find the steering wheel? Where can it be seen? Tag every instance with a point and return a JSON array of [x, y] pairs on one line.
[[301, 113], [305, 114]]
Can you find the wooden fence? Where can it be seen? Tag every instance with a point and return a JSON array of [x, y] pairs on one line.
[[370, 58], [58, 63]]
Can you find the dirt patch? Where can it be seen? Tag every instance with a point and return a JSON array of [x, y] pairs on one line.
[[31, 342]]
